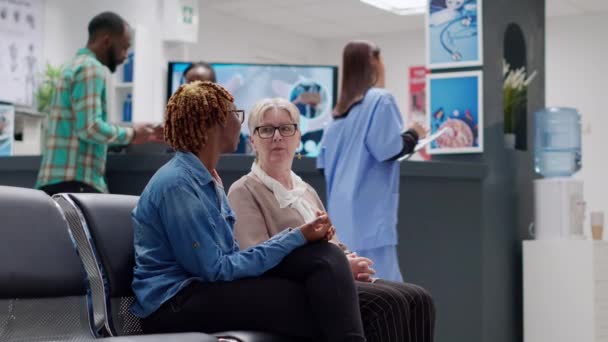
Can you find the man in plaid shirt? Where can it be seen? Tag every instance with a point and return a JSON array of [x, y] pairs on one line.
[[78, 134]]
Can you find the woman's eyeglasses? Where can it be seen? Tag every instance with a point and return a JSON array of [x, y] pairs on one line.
[[266, 132], [240, 114]]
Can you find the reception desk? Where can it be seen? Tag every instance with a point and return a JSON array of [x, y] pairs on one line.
[[129, 173], [440, 222]]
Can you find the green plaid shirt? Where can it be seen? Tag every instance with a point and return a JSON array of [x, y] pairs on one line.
[[77, 134]]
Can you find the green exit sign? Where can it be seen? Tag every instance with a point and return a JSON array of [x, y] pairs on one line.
[[187, 14]]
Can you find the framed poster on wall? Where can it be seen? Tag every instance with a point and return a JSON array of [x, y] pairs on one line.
[[21, 49], [417, 103], [455, 102], [7, 127], [454, 34]]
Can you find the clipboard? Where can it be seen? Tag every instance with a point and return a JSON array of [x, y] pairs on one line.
[[422, 143]]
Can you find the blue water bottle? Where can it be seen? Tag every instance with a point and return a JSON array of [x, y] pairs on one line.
[[557, 142], [126, 109], [127, 69]]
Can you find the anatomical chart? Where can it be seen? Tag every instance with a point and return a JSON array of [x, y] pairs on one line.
[[21, 44]]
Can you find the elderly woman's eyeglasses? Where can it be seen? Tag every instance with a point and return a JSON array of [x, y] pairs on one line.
[[266, 132], [240, 114]]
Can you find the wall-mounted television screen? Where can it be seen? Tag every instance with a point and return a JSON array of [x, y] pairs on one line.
[[311, 87]]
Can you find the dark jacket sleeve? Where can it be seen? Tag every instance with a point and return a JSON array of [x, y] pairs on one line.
[[410, 139]]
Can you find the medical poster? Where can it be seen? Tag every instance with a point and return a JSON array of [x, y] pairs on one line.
[[7, 127], [417, 103], [21, 55], [454, 34], [454, 101]]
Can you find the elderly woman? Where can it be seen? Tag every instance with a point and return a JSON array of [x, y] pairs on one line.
[[191, 275], [272, 198]]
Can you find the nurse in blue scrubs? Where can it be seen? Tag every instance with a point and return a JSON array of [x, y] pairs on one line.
[[358, 155]]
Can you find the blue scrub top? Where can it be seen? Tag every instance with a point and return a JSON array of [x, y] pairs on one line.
[[362, 184]]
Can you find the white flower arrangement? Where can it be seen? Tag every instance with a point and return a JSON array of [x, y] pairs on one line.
[[515, 86]]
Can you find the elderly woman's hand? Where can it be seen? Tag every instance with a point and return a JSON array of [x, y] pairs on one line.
[[361, 267]]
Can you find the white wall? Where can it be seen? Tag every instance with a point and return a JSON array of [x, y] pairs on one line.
[[576, 71], [224, 38], [400, 51], [66, 24], [221, 38], [227, 39]]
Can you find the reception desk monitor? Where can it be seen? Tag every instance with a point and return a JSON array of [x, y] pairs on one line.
[[311, 88]]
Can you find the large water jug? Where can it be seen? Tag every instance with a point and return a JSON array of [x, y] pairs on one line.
[[557, 141]]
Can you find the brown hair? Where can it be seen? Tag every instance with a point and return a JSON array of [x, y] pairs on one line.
[[358, 74], [192, 111]]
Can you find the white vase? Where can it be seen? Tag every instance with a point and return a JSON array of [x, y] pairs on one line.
[[509, 140]]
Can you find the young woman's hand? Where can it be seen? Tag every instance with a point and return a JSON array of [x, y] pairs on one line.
[[316, 229]]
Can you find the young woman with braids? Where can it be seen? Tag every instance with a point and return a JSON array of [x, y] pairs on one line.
[[190, 274]]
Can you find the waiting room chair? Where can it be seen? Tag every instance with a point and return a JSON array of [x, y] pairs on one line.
[[42, 284], [101, 224]]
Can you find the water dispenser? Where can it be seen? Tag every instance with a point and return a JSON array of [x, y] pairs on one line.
[[558, 197], [557, 142]]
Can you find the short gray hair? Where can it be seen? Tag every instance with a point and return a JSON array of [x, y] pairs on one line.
[[263, 105]]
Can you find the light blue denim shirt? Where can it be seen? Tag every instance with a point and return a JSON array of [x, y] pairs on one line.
[[184, 231]]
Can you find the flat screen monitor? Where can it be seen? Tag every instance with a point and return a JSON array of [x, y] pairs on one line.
[[311, 87]]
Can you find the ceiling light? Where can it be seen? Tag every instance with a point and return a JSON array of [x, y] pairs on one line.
[[401, 7]]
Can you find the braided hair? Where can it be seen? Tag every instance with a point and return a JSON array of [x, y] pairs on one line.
[[192, 111]]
